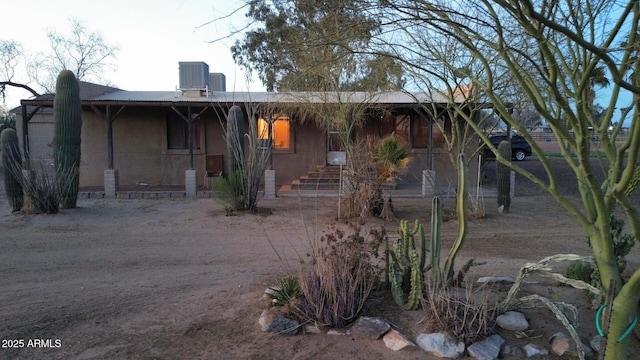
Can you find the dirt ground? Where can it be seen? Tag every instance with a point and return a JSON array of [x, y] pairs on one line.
[[177, 279]]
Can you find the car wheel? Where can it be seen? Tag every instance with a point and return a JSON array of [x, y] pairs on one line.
[[519, 155]]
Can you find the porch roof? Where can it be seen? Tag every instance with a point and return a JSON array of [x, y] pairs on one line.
[[221, 98]]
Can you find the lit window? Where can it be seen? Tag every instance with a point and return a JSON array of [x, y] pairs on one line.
[[281, 132]]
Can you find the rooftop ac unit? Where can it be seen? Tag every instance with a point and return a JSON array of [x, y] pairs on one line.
[[217, 82], [194, 75]]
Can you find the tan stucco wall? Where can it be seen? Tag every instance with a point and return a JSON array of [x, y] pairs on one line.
[[310, 152], [141, 155]]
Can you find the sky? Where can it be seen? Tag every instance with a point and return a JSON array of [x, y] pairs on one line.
[[153, 36]]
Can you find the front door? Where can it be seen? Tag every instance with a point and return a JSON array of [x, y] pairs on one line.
[[335, 150]]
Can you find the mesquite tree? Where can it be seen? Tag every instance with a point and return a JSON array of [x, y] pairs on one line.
[[67, 113], [549, 50]]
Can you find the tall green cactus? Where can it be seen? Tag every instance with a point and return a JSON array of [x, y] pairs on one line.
[[503, 177], [67, 112], [235, 138], [407, 265], [12, 163]]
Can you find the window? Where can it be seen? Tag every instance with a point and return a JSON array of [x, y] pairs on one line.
[[178, 133], [281, 132], [419, 132], [398, 124]]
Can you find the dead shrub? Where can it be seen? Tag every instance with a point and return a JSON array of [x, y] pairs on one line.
[[338, 277], [467, 314]]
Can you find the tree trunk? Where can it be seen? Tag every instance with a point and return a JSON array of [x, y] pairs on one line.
[[625, 306]]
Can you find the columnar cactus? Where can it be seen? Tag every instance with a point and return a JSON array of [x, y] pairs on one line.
[[503, 177], [407, 265], [67, 112], [12, 163], [235, 139]]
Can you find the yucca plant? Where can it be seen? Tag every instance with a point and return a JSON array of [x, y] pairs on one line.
[[389, 157]]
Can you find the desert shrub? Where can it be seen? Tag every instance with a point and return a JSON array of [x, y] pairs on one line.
[[338, 277], [44, 187], [580, 270], [467, 314], [229, 190], [622, 245], [286, 293]]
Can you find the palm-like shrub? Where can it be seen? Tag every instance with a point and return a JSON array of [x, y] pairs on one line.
[[390, 156]]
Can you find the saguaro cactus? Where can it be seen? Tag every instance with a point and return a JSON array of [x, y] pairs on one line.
[[235, 140], [12, 163], [67, 112], [503, 176]]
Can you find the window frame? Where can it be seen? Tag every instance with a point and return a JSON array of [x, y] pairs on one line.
[[288, 150], [198, 136]]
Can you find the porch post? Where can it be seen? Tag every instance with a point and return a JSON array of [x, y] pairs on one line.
[[110, 176], [190, 183], [270, 184], [190, 179], [25, 137]]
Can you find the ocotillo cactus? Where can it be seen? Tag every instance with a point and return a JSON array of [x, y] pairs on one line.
[[407, 265], [12, 163], [503, 177], [67, 112]]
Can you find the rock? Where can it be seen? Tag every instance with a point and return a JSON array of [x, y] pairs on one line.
[[513, 321], [265, 320], [496, 279], [339, 332], [395, 341], [441, 345], [487, 349], [284, 325], [311, 329], [371, 327], [596, 343], [561, 343], [532, 350], [588, 352], [511, 351]]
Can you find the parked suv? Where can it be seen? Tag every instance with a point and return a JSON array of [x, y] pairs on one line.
[[520, 149]]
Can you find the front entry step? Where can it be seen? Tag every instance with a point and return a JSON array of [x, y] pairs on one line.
[[321, 178], [326, 178]]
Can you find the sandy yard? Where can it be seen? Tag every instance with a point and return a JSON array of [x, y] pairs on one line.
[[177, 279]]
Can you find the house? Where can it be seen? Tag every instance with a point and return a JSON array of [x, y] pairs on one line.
[[134, 137]]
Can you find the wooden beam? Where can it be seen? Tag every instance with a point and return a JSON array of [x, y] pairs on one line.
[[109, 118], [190, 118], [25, 132]]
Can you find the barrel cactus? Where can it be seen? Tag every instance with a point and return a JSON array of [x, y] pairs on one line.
[[12, 163], [67, 112], [503, 177]]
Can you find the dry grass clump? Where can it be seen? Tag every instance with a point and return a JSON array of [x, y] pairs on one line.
[[338, 277], [467, 314]]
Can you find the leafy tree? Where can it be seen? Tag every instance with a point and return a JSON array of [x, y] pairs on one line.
[[84, 52], [551, 50], [309, 45]]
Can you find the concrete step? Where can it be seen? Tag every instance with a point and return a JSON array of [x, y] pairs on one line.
[[319, 180], [297, 185]]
